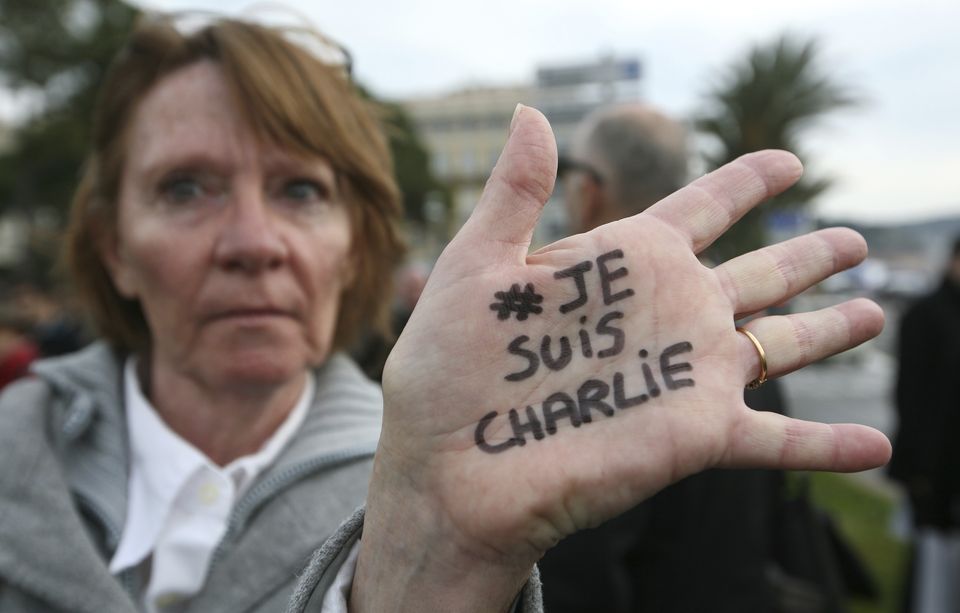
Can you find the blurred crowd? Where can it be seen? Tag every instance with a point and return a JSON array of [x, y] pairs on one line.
[[36, 321]]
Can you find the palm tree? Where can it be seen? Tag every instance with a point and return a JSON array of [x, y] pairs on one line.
[[766, 100]]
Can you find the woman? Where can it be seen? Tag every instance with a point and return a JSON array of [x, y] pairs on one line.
[[221, 223], [234, 226]]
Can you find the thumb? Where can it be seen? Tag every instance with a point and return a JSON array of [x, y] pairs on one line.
[[501, 225]]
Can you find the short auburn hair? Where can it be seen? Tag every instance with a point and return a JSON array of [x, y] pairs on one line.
[[290, 98]]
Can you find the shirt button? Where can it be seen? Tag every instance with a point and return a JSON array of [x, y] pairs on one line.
[[166, 600], [209, 493]]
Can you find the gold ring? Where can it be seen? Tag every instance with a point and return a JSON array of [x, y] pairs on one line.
[[763, 360]]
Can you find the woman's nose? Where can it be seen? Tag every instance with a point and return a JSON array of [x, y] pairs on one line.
[[249, 240]]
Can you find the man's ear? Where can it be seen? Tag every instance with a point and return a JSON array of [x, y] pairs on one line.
[[115, 261], [594, 212]]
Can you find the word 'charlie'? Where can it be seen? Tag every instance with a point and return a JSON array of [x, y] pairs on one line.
[[593, 395]]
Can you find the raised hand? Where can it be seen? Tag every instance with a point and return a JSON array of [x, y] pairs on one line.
[[533, 395]]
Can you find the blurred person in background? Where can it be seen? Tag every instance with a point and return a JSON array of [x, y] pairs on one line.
[[372, 350], [235, 227], [55, 328], [712, 530], [926, 457], [17, 350]]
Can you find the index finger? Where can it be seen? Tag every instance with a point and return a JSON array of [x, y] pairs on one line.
[[706, 208]]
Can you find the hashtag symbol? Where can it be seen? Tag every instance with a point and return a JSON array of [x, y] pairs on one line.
[[516, 301]]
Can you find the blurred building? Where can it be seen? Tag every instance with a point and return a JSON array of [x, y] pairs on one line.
[[567, 93], [466, 129], [906, 259]]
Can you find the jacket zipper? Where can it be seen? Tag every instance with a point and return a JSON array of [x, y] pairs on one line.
[[266, 489], [126, 578]]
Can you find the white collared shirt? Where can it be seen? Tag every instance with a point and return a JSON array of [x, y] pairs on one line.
[[179, 501]]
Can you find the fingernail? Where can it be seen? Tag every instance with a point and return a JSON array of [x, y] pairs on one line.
[[516, 113]]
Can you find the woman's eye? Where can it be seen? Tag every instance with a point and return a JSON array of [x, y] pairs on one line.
[[181, 190], [304, 190]]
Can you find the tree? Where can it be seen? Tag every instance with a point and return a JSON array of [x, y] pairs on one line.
[[767, 100], [58, 49], [411, 160]]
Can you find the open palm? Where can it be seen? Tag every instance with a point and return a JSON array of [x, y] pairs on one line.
[[533, 395]]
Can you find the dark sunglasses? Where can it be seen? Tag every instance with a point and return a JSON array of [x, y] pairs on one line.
[[566, 164]]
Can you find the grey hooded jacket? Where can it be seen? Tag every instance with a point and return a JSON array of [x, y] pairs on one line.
[[63, 497], [63, 492]]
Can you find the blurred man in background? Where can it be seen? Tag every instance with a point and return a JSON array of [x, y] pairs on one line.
[[622, 159], [703, 544], [926, 456]]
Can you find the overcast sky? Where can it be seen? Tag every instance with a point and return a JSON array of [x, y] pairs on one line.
[[896, 158]]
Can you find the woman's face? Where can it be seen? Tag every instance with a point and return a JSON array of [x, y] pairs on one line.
[[237, 251]]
